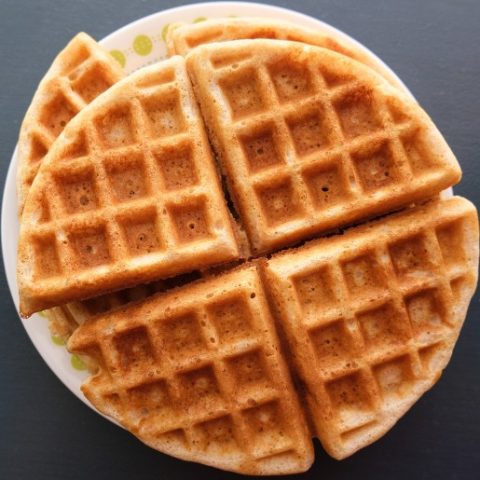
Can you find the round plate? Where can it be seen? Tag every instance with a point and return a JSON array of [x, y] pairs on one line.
[[138, 44]]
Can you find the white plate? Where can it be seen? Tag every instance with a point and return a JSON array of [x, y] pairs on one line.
[[138, 44]]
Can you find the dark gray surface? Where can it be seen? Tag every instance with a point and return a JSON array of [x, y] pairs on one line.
[[46, 433]]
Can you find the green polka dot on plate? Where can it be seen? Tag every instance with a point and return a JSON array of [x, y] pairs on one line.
[[119, 57], [199, 19], [142, 45], [60, 341], [77, 363], [164, 32]]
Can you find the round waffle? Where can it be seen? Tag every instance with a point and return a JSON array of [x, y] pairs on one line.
[[362, 322]]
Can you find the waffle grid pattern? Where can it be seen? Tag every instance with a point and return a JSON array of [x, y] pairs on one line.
[[78, 75], [312, 149], [131, 194], [377, 323], [147, 193], [370, 325], [206, 376]]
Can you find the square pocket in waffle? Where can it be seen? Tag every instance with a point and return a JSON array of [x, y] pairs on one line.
[[127, 194], [310, 140], [80, 72], [182, 38], [372, 316], [198, 373]]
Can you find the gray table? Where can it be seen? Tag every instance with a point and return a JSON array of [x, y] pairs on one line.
[[46, 433]]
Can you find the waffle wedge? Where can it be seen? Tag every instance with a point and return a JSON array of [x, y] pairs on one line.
[[182, 38], [197, 373], [310, 140], [127, 194], [80, 72], [371, 317]]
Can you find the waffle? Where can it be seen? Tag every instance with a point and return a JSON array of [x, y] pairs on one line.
[[128, 194], [372, 316], [310, 141], [78, 74], [182, 38], [197, 373], [369, 321]]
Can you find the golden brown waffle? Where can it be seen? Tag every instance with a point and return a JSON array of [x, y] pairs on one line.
[[128, 194], [182, 38], [197, 373], [81, 72], [310, 141], [371, 317], [77, 76]]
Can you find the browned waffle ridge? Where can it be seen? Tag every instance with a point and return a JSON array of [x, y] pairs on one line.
[[128, 194], [80, 72], [370, 317], [310, 140]]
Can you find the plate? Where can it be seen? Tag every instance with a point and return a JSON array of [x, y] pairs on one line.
[[134, 46]]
